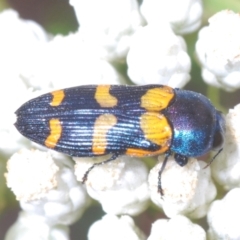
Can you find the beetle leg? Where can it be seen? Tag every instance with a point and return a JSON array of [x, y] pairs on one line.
[[213, 158], [160, 190], [85, 176]]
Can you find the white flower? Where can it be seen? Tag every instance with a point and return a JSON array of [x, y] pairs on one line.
[[223, 217], [187, 190], [226, 167], [107, 25], [178, 227], [29, 226], [18, 38], [111, 227], [120, 185], [46, 187], [158, 56], [218, 50], [184, 16], [68, 61], [31, 174]]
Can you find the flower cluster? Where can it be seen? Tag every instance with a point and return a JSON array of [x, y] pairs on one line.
[[144, 37], [218, 49]]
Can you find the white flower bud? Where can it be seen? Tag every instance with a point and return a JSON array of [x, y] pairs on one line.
[[107, 25], [158, 56], [187, 190], [226, 168], [223, 217], [184, 16], [218, 50], [178, 227], [30, 226], [111, 227], [68, 61], [46, 187], [31, 174], [18, 38], [120, 185]]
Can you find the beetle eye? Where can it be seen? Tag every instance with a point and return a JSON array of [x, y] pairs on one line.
[[218, 138]]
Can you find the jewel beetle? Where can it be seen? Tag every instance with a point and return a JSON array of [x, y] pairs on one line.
[[95, 120]]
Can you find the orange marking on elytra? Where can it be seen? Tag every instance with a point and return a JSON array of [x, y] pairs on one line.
[[136, 152], [101, 127], [55, 133], [156, 129], [157, 99], [104, 98], [58, 97]]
